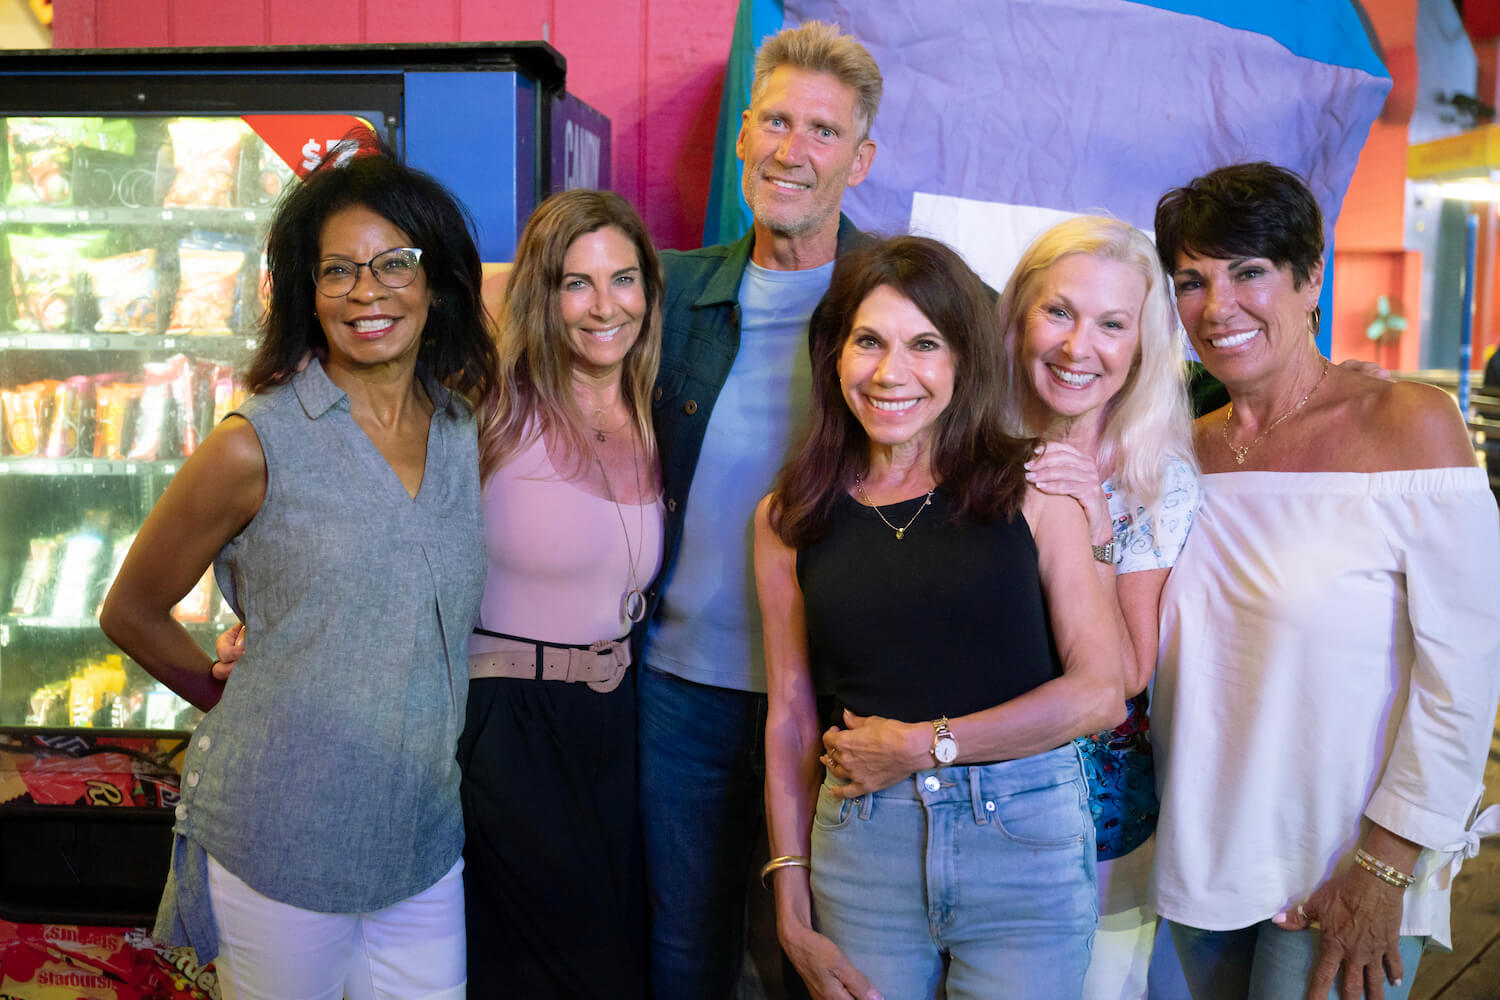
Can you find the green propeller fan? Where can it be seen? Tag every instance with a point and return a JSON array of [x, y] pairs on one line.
[[1388, 323]]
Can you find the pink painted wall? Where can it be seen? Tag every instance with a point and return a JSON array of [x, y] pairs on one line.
[[655, 67]]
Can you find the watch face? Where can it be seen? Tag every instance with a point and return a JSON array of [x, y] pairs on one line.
[[945, 749]]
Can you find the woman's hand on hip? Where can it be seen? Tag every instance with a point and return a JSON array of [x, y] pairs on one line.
[[825, 968], [874, 753], [1361, 921], [228, 648], [1061, 469]]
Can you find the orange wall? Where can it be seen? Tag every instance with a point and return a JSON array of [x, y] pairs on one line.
[[1370, 258], [655, 67]]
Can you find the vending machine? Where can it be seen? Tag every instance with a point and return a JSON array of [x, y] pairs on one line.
[[133, 208]]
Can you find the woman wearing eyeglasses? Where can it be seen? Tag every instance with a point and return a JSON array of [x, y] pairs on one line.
[[316, 850]]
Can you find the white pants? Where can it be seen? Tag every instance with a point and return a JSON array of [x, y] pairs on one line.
[[1127, 928], [411, 950]]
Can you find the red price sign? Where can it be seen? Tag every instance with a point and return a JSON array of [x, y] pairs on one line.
[[303, 140]]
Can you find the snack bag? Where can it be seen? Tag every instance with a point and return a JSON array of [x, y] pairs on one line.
[[206, 153], [208, 291], [118, 550], [77, 571], [23, 419], [42, 154], [150, 437], [65, 420], [200, 410], [228, 394], [47, 276], [112, 403], [31, 588], [125, 292]]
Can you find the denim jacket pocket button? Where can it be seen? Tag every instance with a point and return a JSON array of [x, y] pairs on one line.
[[690, 407], [656, 394]]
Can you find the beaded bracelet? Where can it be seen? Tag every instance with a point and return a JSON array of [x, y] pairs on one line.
[[785, 861], [1382, 871]]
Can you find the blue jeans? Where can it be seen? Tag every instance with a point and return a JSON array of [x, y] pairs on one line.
[[987, 869], [1264, 962], [702, 775]]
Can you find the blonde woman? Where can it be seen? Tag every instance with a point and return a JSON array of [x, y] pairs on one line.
[[1096, 370]]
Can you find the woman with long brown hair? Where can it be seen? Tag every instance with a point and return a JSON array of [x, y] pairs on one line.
[[937, 835], [572, 523]]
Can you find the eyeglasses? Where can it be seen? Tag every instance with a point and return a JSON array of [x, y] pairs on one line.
[[394, 268]]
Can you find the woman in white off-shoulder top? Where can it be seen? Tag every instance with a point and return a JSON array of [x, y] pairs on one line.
[[1328, 679]]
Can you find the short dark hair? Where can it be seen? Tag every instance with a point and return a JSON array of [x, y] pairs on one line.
[[1244, 210], [977, 463], [456, 347]]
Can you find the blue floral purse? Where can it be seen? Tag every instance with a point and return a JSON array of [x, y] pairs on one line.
[[1122, 785]]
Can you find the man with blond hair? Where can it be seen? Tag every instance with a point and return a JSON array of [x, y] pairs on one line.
[[734, 380]]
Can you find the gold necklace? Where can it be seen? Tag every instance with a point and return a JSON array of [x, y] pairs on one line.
[[859, 487], [633, 604], [600, 432], [1240, 453]]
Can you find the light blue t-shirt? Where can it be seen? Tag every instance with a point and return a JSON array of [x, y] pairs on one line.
[[708, 627]]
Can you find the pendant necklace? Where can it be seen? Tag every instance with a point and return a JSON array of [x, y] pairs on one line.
[[859, 487], [633, 604], [1241, 453], [599, 431]]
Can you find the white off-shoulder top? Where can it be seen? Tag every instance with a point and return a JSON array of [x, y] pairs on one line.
[[1330, 655]]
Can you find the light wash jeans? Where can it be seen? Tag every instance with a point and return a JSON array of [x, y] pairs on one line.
[[979, 880], [1264, 962]]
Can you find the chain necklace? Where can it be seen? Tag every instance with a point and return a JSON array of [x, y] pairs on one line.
[[859, 487], [1241, 453], [633, 604]]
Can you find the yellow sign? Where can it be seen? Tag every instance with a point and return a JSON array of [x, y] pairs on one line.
[[1471, 154]]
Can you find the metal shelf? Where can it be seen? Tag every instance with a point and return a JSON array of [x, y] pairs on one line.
[[115, 215], [14, 340], [85, 467]]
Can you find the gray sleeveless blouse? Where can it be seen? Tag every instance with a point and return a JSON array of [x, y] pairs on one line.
[[326, 777]]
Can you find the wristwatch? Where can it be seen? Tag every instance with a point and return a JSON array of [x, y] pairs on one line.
[[1105, 553], [944, 746]]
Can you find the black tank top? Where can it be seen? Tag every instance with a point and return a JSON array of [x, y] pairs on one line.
[[947, 620]]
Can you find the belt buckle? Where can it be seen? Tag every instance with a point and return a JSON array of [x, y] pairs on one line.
[[615, 667]]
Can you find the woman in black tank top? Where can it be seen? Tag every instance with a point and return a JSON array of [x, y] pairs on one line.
[[937, 835]]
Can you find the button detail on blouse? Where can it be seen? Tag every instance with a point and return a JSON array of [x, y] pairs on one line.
[[181, 811], [192, 779], [204, 743]]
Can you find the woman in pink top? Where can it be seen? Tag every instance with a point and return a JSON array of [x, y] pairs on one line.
[[572, 521], [572, 525]]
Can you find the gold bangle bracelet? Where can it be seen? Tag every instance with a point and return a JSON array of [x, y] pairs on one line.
[[785, 861], [1386, 873]]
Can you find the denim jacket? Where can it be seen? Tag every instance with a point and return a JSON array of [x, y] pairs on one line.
[[700, 338]]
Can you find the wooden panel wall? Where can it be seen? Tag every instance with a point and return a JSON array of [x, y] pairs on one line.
[[655, 67]]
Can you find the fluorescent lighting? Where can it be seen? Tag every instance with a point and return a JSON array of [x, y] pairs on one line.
[[1470, 189]]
